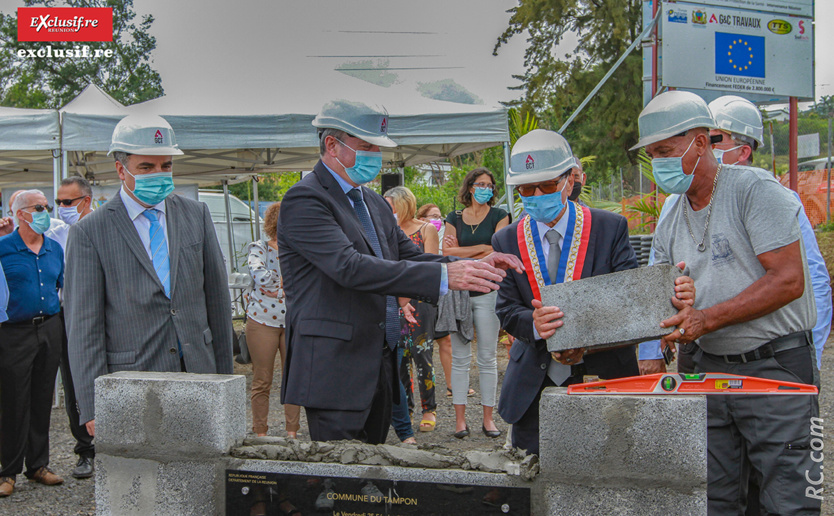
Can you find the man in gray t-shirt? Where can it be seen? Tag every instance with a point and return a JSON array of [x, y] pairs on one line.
[[750, 215], [738, 234]]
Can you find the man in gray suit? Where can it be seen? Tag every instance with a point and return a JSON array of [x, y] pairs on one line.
[[145, 285]]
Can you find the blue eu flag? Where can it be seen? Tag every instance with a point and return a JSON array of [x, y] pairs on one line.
[[736, 54]]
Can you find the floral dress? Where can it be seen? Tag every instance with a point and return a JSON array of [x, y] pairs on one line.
[[416, 341]]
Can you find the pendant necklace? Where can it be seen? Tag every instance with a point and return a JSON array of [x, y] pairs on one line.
[[702, 246]]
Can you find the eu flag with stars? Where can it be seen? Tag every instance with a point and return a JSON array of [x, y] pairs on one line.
[[737, 54]]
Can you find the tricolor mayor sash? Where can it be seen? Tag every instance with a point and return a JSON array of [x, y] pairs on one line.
[[574, 248]]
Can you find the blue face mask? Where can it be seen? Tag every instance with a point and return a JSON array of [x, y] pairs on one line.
[[482, 195], [366, 166], [40, 222], [544, 208], [669, 175], [152, 189]]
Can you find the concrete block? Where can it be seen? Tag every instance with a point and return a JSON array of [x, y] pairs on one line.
[[613, 309], [169, 415], [593, 501], [145, 487], [619, 441]]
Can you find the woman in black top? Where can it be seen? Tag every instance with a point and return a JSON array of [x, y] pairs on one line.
[[469, 235]]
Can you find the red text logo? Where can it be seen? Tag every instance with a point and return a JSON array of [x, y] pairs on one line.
[[65, 24]]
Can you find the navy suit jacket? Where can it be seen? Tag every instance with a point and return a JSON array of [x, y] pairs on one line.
[[336, 288], [608, 251]]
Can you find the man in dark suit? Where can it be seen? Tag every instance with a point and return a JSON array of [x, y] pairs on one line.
[[540, 166], [146, 288], [343, 259]]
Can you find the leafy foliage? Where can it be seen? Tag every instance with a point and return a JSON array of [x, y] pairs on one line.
[[50, 83], [554, 84]]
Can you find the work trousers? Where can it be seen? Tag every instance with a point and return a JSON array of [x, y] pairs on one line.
[[264, 343], [29, 360], [369, 425], [774, 432], [486, 332], [83, 440]]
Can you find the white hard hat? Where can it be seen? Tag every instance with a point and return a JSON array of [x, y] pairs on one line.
[[738, 116], [672, 113], [357, 120], [148, 135], [538, 156]]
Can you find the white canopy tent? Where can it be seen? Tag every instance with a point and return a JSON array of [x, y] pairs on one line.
[[234, 136], [239, 136], [30, 142]]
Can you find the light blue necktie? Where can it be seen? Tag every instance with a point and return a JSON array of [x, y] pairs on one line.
[[392, 311], [159, 250]]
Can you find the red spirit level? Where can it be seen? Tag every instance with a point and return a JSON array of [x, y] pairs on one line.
[[702, 383]]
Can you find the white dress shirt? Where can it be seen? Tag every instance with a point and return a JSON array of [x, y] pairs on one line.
[[141, 223], [58, 231], [562, 227]]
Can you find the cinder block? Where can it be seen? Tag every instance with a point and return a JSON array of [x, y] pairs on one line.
[[593, 501], [621, 441], [174, 415], [613, 309], [144, 487]]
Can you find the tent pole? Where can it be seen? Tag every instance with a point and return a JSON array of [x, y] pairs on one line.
[[508, 190], [64, 164], [229, 225], [257, 208], [56, 177]]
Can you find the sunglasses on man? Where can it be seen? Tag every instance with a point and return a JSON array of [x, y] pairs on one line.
[[67, 202], [547, 187], [38, 207]]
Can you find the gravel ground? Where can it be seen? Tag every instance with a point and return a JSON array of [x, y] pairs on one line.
[[76, 497]]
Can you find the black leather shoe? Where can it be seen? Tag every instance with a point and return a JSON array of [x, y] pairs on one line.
[[84, 468], [463, 433], [490, 433]]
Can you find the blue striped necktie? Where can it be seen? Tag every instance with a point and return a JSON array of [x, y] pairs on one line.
[[159, 250], [392, 311]]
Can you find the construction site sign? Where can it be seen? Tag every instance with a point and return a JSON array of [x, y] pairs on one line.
[[737, 50], [792, 7]]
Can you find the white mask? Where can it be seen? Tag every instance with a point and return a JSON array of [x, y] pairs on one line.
[[719, 154], [69, 214]]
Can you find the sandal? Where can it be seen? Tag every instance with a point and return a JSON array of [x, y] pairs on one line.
[[469, 394], [427, 425]]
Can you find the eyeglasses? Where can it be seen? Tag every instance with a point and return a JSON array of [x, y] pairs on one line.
[[68, 202], [484, 185], [38, 207], [548, 187]]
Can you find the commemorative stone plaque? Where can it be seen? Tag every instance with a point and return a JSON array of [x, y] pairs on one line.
[[285, 493]]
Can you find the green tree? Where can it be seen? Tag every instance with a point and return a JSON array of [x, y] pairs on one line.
[[50, 83], [555, 84]]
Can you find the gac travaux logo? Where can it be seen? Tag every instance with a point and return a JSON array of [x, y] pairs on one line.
[[65, 24]]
